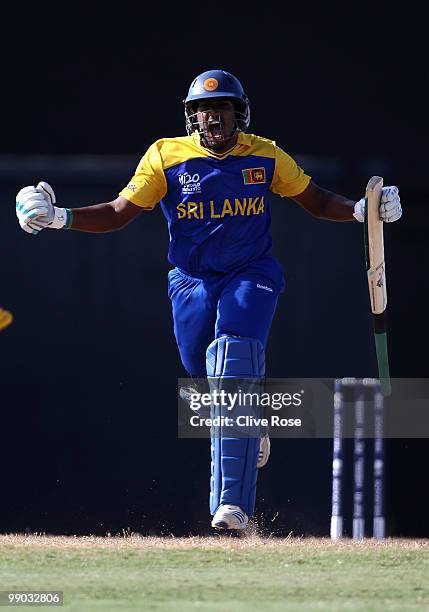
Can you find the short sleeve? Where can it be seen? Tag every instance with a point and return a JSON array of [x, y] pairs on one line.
[[148, 185], [289, 179]]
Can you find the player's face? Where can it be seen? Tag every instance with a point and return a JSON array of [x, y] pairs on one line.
[[216, 119]]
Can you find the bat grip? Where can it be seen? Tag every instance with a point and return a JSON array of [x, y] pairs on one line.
[[383, 362]]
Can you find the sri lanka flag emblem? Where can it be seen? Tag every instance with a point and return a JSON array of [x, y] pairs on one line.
[[252, 176]]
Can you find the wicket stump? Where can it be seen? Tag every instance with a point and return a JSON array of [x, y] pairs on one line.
[[359, 450]]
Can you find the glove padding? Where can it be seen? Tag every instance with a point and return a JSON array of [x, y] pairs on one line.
[[390, 206], [35, 207]]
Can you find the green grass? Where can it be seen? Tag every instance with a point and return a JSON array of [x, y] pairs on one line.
[[219, 573]]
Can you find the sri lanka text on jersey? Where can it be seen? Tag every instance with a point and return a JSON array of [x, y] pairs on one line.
[[230, 207]]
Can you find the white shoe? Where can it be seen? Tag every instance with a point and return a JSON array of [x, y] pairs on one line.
[[264, 451], [229, 516]]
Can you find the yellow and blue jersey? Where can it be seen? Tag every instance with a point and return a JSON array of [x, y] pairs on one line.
[[216, 206]]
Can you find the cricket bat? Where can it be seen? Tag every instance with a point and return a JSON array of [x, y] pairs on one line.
[[376, 272]]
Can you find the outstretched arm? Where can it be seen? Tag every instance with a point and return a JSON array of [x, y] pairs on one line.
[[36, 210], [325, 204], [106, 217]]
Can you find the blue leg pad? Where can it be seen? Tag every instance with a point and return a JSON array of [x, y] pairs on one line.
[[233, 460]]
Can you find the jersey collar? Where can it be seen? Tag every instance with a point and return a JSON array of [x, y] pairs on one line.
[[243, 139]]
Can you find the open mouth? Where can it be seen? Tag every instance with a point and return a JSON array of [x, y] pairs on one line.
[[215, 130]]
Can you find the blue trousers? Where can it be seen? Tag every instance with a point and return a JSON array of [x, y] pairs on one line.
[[240, 303]]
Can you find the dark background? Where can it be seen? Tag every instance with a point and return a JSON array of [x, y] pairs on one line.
[[89, 368]]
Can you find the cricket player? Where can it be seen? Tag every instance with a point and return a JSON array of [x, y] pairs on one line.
[[213, 187]]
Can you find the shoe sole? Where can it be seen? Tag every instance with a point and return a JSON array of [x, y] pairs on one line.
[[223, 525], [220, 525]]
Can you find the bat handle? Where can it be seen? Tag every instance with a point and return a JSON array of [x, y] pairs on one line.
[[383, 363]]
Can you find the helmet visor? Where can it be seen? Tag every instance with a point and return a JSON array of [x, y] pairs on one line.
[[217, 121]]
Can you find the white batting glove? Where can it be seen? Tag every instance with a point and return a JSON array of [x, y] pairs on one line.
[[390, 206], [36, 210], [31, 206]]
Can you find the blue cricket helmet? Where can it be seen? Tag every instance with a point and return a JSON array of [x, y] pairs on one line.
[[217, 84]]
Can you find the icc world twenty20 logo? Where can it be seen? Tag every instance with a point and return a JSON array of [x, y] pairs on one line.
[[190, 182]]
